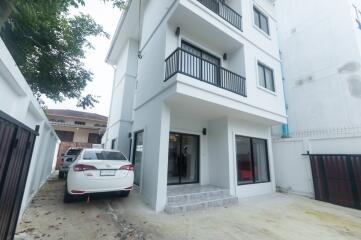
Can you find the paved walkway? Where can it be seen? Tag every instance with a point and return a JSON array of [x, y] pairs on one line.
[[271, 217]]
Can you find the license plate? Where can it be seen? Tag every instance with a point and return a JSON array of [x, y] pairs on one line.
[[107, 172]]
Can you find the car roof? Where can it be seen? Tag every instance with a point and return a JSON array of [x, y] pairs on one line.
[[100, 149]]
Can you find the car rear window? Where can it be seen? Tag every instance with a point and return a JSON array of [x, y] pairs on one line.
[[103, 155], [73, 152]]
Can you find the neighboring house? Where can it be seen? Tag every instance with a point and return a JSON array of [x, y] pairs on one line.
[[320, 45], [197, 88], [76, 129]]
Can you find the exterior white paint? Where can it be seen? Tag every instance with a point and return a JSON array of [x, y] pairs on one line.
[[320, 45], [18, 101], [143, 101]]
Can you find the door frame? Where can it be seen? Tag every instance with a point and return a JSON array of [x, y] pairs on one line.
[[198, 159]]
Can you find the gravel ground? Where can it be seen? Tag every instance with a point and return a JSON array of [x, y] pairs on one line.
[[49, 218]]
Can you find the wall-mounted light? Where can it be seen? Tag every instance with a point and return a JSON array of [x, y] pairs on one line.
[[204, 131], [225, 56], [177, 31], [130, 135]]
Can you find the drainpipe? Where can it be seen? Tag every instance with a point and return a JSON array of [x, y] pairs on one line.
[[285, 129]]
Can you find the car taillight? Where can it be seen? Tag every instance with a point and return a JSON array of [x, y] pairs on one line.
[[83, 167], [127, 167]]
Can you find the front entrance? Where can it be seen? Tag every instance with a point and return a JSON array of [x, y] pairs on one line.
[[183, 159]]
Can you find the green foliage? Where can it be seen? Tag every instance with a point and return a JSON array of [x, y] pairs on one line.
[[48, 45]]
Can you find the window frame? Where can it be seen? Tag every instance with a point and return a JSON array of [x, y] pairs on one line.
[[257, 12], [264, 68], [252, 161]]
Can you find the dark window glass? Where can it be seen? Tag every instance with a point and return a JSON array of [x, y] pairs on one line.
[[94, 138], [73, 152], [138, 156], [244, 160], [113, 143], [266, 78], [260, 20], [260, 160], [65, 136], [103, 155], [252, 160]]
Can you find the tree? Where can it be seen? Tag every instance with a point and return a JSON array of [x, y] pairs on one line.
[[48, 45]]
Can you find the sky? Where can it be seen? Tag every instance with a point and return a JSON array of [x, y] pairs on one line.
[[101, 85]]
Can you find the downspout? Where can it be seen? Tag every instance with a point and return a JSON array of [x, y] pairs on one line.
[[285, 128]]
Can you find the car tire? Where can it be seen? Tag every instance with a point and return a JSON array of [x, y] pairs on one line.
[[61, 175], [68, 198], [124, 194]]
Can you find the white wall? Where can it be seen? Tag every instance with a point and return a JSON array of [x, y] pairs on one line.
[[18, 101], [322, 64], [320, 45]]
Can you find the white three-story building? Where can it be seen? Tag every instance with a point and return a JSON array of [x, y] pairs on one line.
[[197, 88]]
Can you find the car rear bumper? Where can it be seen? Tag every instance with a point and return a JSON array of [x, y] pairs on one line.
[[79, 184]]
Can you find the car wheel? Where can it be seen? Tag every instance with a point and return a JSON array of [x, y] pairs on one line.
[[124, 194], [61, 175], [68, 198]]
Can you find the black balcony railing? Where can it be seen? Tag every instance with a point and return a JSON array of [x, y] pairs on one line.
[[184, 62], [224, 11]]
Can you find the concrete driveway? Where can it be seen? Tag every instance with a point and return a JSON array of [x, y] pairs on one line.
[[275, 217]]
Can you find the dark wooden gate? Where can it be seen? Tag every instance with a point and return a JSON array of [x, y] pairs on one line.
[[16, 148], [337, 179]]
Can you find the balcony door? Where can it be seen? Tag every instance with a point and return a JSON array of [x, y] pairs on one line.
[[183, 159], [200, 64]]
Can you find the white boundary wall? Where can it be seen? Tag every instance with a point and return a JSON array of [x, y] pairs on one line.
[[293, 170], [18, 101]]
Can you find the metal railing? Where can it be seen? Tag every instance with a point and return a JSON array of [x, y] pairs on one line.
[[184, 62], [224, 11]]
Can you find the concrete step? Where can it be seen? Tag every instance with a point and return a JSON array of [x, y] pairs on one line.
[[191, 204], [201, 195]]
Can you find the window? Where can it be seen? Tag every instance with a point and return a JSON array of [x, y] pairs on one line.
[[252, 160], [103, 155], [260, 20], [137, 156], [79, 123], [94, 138], [65, 136], [266, 78], [113, 143]]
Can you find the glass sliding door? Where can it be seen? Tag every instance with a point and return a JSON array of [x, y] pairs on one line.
[[137, 156], [244, 160], [183, 159], [252, 160]]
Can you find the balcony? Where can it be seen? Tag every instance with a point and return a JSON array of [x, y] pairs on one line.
[[224, 11], [189, 64]]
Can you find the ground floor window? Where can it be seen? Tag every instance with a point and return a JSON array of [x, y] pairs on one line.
[[137, 156], [252, 160]]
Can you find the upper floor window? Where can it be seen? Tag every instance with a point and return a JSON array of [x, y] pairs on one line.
[[260, 20], [266, 77], [79, 123]]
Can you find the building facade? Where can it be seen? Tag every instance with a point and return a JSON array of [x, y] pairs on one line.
[[320, 46], [76, 129], [197, 89]]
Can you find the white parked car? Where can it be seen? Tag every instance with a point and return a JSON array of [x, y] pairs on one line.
[[97, 171]]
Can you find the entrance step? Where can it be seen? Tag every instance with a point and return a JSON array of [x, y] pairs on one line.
[[187, 198]]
